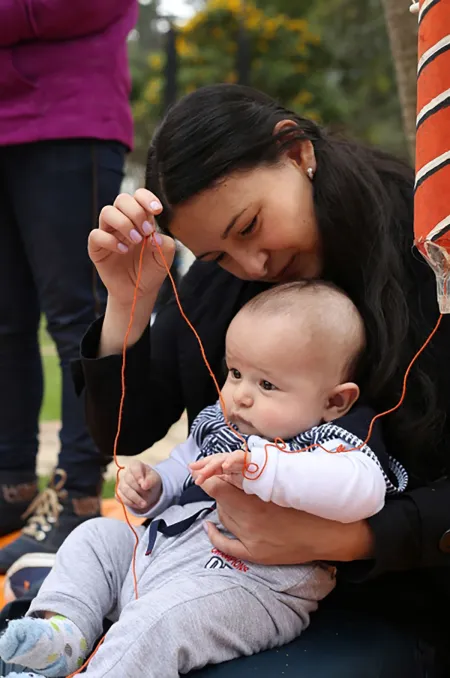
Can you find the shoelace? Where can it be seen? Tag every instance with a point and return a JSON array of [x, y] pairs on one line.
[[44, 510]]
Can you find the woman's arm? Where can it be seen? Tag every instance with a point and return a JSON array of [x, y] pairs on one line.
[[413, 530], [408, 533], [154, 399], [26, 20]]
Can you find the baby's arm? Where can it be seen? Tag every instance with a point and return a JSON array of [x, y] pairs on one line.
[[341, 486]]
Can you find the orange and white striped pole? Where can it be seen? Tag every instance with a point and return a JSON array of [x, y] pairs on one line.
[[432, 187]]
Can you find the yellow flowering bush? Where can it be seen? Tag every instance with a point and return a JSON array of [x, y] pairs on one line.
[[284, 56]]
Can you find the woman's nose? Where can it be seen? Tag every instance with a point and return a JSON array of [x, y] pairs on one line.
[[254, 264]]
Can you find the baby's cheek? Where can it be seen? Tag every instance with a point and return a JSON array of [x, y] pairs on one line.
[[276, 420], [288, 420]]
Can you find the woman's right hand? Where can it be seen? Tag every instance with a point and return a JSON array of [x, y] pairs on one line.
[[115, 247]]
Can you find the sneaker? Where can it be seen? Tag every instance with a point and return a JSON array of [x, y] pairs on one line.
[[17, 491], [26, 575], [51, 517]]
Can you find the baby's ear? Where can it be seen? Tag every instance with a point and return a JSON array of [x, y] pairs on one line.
[[341, 400]]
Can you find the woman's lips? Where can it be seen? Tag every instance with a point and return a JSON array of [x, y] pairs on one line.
[[287, 270]]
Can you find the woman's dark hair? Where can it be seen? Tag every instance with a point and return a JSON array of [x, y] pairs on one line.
[[364, 207]]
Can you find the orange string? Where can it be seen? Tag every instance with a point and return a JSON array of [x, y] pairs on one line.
[[115, 447], [120, 415], [279, 444]]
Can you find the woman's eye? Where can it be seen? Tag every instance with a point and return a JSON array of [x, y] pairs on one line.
[[235, 374], [248, 229], [267, 386]]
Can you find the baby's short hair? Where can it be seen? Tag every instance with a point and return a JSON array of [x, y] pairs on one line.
[[322, 307]]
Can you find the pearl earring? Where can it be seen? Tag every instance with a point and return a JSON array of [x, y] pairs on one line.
[[310, 173]]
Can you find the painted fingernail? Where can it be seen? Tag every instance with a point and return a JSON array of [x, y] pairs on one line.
[[122, 248], [155, 205], [158, 238], [147, 228], [135, 236]]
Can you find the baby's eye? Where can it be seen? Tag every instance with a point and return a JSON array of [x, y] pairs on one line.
[[235, 373], [267, 386]]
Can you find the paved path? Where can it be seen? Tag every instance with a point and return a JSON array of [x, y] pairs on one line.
[[49, 446]]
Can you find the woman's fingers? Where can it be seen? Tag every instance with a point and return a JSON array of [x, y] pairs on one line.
[[113, 220], [101, 244], [148, 201], [139, 219], [232, 547]]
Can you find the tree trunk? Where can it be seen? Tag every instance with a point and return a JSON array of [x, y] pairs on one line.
[[402, 30]]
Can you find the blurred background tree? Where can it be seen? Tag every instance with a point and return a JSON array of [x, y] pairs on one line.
[[328, 59], [402, 30]]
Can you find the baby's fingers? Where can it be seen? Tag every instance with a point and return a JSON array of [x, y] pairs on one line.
[[212, 469], [200, 463], [234, 463], [130, 497]]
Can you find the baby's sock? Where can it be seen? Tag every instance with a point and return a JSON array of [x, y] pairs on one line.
[[53, 647]]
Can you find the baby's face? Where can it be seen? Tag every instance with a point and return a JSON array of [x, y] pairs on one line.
[[277, 386]]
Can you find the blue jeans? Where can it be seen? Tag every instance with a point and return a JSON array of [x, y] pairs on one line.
[[50, 195]]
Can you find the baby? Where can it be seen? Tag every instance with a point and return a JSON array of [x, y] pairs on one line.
[[292, 355]]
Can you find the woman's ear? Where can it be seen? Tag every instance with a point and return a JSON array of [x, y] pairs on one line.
[[301, 152], [340, 401]]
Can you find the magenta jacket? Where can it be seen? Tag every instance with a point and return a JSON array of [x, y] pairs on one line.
[[64, 70]]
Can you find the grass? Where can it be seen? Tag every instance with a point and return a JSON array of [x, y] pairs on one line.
[[51, 407]]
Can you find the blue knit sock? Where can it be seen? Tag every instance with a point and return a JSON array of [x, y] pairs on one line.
[[53, 647]]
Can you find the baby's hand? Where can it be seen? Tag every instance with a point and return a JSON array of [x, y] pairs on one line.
[[140, 487], [228, 464]]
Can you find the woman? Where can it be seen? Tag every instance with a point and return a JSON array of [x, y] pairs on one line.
[[262, 196], [65, 129]]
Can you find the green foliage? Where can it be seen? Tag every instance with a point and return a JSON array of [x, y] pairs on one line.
[[358, 74]]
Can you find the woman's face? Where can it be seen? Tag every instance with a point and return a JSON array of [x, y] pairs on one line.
[[258, 225]]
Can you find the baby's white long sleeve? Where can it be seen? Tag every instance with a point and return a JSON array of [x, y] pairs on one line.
[[343, 486]]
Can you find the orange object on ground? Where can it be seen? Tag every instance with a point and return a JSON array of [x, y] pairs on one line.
[[432, 199]]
